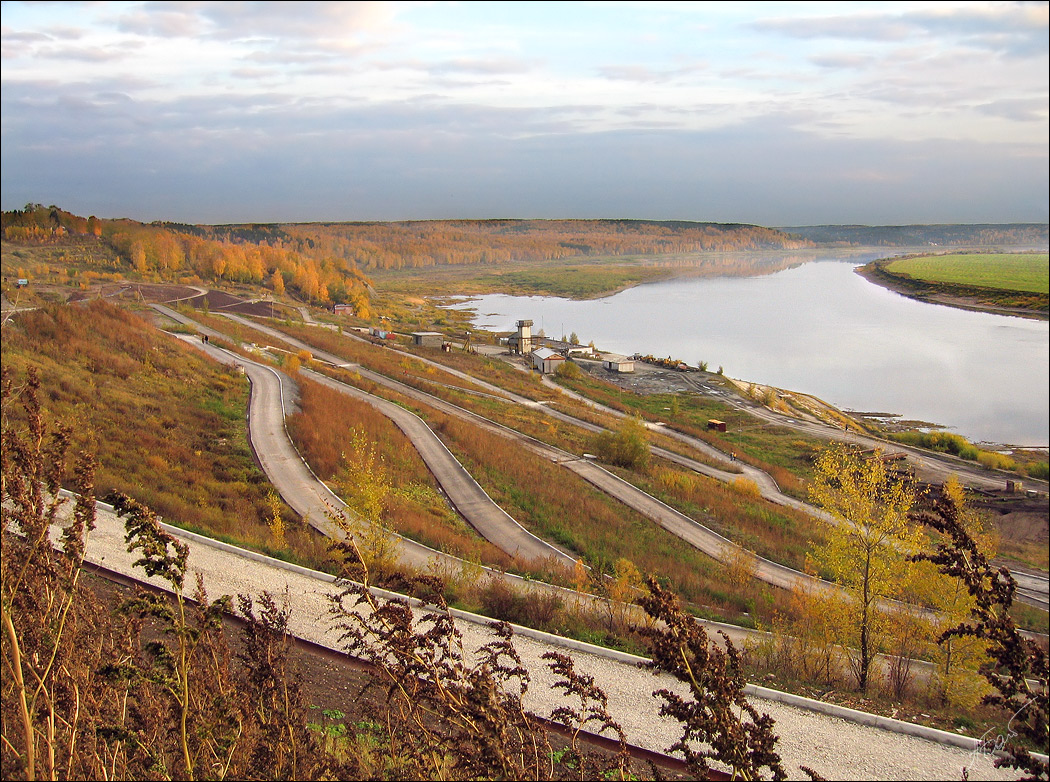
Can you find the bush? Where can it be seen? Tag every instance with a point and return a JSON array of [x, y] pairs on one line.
[[996, 461], [568, 370], [1039, 470], [628, 447], [746, 487]]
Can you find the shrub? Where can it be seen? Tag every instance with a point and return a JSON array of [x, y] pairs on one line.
[[746, 487], [569, 370], [627, 447], [996, 461], [1039, 470]]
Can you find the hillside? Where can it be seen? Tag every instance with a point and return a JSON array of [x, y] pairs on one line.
[[977, 235]]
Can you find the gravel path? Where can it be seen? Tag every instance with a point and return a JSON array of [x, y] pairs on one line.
[[835, 748]]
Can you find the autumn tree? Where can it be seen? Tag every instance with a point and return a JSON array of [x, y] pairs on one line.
[[958, 657], [1018, 668], [364, 485], [868, 545], [277, 282]]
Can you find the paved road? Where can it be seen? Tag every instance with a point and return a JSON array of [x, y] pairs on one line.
[[304, 492], [696, 534], [1033, 587], [297, 485], [504, 528], [465, 493], [312, 500]]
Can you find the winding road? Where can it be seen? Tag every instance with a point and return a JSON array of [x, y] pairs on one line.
[[496, 525]]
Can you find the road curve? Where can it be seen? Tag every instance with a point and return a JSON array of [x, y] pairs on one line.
[[297, 485], [703, 538], [314, 501], [466, 495], [699, 536]]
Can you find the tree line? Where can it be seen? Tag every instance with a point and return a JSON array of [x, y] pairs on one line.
[[328, 262]]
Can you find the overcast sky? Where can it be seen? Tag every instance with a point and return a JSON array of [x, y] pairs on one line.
[[769, 113]]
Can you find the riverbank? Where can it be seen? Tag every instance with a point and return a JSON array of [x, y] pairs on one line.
[[966, 297]]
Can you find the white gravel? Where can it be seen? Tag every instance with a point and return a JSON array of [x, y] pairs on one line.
[[835, 748]]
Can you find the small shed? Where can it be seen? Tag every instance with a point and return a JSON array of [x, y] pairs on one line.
[[715, 425], [427, 339], [546, 360], [620, 364]]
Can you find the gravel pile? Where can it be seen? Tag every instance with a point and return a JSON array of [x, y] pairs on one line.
[[835, 748]]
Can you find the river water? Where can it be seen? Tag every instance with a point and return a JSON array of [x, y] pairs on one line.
[[822, 329]]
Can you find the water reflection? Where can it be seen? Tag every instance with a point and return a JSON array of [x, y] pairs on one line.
[[816, 326]]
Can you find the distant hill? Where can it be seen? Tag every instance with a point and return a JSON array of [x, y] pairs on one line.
[[979, 235]]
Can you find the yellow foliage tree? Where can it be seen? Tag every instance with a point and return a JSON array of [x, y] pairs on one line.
[[364, 486], [276, 520], [958, 657], [868, 546], [277, 282]]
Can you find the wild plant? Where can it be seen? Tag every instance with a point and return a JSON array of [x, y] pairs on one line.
[[455, 718], [172, 667], [272, 706], [41, 615], [1018, 668], [718, 723], [143, 692], [591, 714]]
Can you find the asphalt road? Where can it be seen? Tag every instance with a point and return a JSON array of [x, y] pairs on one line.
[[465, 493], [697, 535]]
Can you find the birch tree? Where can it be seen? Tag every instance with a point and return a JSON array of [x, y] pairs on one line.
[[867, 548]]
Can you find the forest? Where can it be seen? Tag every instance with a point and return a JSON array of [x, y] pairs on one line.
[[328, 263]]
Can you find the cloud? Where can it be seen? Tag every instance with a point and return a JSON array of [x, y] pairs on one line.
[[387, 111], [163, 20], [1017, 109], [1011, 29], [871, 27], [25, 36], [249, 20], [281, 156], [843, 60], [482, 67], [645, 74], [95, 54]]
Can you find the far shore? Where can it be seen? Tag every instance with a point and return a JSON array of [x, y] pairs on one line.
[[933, 293]]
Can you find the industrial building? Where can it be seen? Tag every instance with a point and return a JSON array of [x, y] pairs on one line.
[[427, 339], [620, 364], [521, 343], [546, 360]]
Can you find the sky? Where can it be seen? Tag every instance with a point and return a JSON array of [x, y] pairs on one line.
[[777, 114]]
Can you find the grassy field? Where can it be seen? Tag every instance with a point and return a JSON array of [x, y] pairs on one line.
[[1027, 272], [166, 425], [576, 279]]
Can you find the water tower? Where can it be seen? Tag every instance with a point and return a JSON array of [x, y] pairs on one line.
[[524, 337]]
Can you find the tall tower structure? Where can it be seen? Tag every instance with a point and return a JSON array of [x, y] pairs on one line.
[[524, 337]]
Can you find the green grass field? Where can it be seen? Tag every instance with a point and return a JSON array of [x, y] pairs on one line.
[[1027, 272]]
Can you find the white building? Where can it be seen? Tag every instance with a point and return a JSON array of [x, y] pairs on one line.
[[620, 364], [546, 360]]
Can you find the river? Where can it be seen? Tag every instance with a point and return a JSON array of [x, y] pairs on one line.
[[822, 329]]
